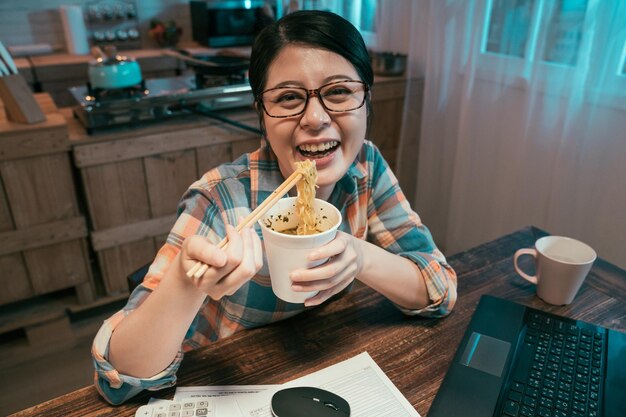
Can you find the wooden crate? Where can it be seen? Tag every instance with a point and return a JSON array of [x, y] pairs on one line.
[[43, 245], [134, 179]]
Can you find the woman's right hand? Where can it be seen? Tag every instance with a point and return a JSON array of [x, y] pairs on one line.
[[229, 268]]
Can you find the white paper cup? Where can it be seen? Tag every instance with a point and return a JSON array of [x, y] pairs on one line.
[[286, 253]]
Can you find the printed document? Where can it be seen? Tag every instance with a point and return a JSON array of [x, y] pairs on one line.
[[359, 380]]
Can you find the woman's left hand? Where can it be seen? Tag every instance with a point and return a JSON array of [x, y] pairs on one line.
[[345, 262]]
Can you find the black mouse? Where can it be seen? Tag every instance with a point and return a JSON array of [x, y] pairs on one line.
[[309, 402]]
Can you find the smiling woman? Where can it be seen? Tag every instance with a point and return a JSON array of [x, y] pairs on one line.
[[310, 74], [335, 125]]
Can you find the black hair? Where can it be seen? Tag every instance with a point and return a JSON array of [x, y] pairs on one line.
[[315, 28]]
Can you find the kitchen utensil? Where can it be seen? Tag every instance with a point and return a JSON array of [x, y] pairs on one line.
[[6, 57], [388, 63], [110, 71], [19, 103], [4, 70]]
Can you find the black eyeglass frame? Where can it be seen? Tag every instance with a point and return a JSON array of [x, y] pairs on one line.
[[315, 92]]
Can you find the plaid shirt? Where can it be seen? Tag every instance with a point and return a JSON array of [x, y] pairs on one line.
[[373, 208]]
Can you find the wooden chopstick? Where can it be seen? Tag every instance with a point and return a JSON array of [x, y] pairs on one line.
[[200, 268]]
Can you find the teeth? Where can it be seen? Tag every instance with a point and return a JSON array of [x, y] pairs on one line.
[[317, 147]]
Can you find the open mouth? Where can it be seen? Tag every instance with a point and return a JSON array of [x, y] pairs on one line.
[[318, 150]]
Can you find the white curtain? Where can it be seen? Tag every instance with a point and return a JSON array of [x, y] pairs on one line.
[[523, 120]]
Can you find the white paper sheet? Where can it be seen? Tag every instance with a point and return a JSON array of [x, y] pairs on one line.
[[359, 380]]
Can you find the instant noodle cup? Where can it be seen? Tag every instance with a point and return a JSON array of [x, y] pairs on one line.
[[286, 251]]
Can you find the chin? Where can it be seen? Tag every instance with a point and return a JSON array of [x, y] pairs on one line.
[[326, 179]]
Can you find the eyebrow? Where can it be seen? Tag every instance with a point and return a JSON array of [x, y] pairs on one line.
[[329, 79]]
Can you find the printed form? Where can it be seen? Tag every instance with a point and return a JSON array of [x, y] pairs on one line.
[[359, 380]]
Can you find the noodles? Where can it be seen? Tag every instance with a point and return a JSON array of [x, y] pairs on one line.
[[306, 195]]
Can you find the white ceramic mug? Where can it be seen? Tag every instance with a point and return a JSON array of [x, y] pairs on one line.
[[285, 252], [562, 264]]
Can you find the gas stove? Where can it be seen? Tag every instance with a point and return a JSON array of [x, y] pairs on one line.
[[156, 99]]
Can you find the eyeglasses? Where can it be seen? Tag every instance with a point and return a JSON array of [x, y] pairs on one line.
[[336, 97]]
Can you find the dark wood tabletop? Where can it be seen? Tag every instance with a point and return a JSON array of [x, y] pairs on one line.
[[414, 352]]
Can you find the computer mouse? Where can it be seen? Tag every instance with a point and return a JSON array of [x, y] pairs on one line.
[[309, 402]]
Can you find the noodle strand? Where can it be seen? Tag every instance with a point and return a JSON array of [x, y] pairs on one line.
[[306, 196]]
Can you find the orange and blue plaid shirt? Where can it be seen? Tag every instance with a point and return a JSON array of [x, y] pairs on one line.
[[373, 208]]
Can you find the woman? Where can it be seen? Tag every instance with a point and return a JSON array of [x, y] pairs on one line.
[[310, 74]]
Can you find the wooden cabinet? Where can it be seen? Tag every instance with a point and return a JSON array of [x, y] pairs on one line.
[[387, 109], [133, 180], [42, 232]]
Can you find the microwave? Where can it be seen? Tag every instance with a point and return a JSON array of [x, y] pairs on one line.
[[220, 24]]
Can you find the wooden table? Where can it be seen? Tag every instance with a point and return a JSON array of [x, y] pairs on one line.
[[413, 352]]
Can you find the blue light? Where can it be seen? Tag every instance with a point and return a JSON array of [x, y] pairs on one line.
[[247, 4]]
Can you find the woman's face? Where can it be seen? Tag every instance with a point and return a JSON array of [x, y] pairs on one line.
[[333, 140]]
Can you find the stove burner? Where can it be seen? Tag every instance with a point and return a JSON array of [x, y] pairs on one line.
[[108, 94], [216, 70], [154, 100], [209, 80]]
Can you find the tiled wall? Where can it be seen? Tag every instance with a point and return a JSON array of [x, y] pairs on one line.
[[25, 22]]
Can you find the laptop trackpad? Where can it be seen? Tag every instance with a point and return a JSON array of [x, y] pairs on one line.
[[486, 354]]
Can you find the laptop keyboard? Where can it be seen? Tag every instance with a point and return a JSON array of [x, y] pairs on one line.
[[559, 370]]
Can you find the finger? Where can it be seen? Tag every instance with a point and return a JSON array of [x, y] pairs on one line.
[[318, 285], [244, 270], [258, 250], [333, 248], [234, 247], [198, 248], [206, 277], [326, 271], [322, 296]]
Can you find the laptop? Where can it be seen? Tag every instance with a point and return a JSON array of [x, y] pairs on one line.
[[518, 361]]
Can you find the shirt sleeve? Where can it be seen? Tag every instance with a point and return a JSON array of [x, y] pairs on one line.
[[195, 216], [114, 386], [394, 226]]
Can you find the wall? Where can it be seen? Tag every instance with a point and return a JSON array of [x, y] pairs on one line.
[[28, 22]]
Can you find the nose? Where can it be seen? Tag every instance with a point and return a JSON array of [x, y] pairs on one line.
[[315, 116]]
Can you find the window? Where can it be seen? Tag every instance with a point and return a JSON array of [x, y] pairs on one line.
[[515, 29], [509, 27], [564, 32], [551, 41]]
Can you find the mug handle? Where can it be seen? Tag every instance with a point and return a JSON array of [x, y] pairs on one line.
[[520, 252]]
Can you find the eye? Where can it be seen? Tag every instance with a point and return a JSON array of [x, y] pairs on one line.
[[337, 90], [289, 96]]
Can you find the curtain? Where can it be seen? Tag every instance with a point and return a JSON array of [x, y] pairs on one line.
[[523, 120]]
